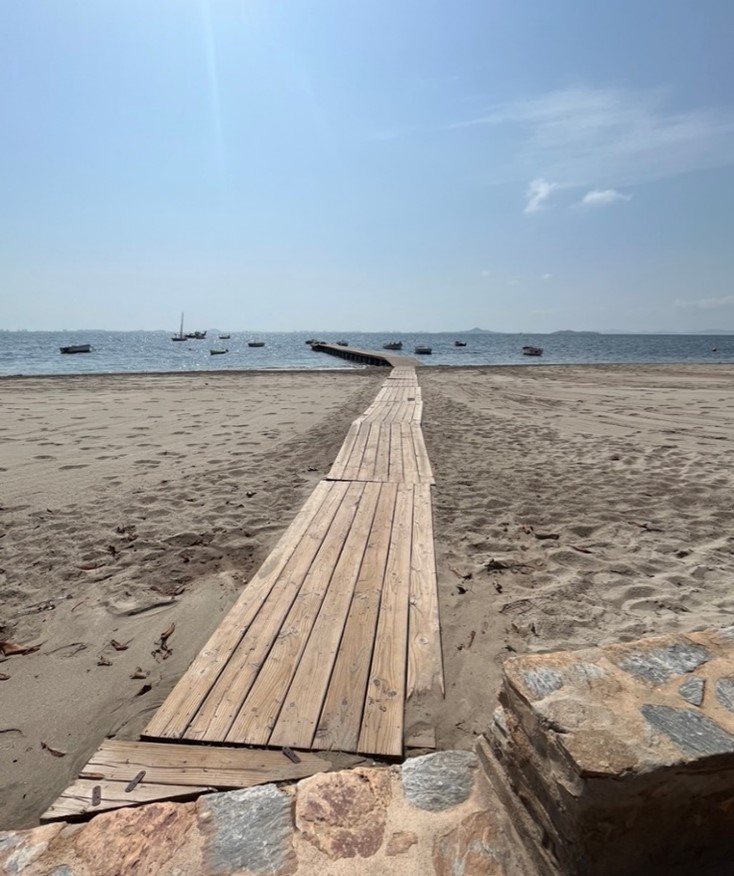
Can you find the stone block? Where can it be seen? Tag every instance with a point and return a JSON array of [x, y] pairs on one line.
[[439, 781], [343, 814], [249, 831], [621, 759]]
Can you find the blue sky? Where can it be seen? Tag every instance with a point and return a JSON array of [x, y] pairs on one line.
[[520, 165]]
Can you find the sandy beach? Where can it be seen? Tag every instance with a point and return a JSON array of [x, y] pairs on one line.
[[573, 505]]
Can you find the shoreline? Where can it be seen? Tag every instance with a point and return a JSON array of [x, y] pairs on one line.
[[574, 504]]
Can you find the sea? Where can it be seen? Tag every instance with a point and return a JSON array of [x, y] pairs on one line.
[[37, 353]]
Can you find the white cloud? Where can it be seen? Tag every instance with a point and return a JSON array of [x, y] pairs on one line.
[[602, 197], [547, 276], [706, 303], [624, 136], [485, 272], [538, 192]]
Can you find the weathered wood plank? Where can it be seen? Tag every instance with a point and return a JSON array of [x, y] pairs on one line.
[[345, 451], [77, 800], [172, 718], [366, 470], [382, 459], [198, 765], [355, 458], [425, 663], [256, 718], [425, 471], [341, 717], [222, 703], [382, 723], [296, 725], [396, 472]]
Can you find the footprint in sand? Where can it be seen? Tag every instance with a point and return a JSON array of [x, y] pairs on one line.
[[44, 457], [69, 467]]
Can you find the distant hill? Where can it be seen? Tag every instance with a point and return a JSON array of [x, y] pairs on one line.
[[479, 331]]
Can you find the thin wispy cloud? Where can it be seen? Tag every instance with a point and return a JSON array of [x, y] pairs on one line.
[[537, 194], [706, 303], [624, 136], [602, 198], [547, 277]]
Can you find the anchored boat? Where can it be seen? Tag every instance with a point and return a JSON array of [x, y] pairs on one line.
[[532, 351], [76, 348]]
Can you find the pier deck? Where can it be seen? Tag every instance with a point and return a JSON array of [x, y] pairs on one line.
[[366, 357]]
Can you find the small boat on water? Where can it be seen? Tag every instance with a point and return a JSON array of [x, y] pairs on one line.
[[256, 343], [76, 348], [218, 352], [196, 336], [422, 350], [393, 345], [342, 343], [224, 337], [459, 343], [532, 351]]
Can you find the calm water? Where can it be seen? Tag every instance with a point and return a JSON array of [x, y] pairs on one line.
[[114, 352]]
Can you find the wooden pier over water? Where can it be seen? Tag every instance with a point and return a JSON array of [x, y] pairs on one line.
[[330, 638], [366, 357]]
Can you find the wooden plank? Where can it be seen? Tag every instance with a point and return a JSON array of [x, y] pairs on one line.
[[341, 717], [366, 470], [382, 723], [345, 451], [296, 725], [425, 663], [222, 703], [174, 715], [410, 465], [421, 455], [355, 458], [197, 765], [396, 473], [382, 458], [254, 723], [76, 800]]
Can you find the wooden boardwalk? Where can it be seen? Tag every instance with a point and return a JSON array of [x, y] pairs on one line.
[[334, 633]]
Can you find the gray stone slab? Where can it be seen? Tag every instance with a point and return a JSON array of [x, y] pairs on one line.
[[658, 665], [692, 690], [250, 829], [693, 732], [725, 693], [439, 781], [542, 681]]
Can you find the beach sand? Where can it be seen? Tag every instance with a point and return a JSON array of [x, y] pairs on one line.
[[573, 505], [130, 503]]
